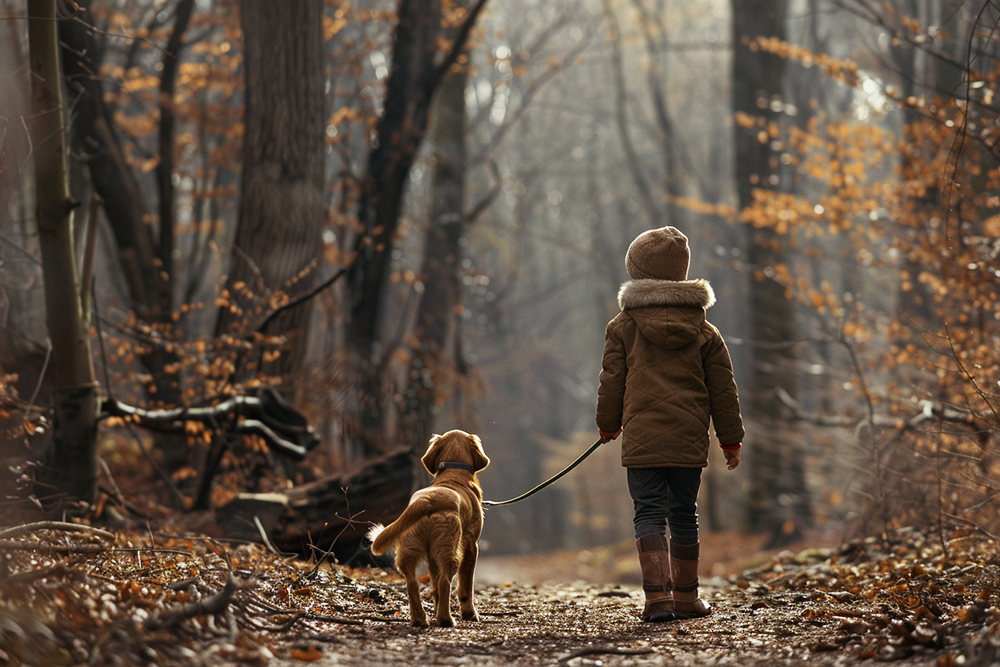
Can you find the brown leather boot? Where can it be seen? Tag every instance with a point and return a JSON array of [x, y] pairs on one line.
[[684, 568], [654, 560]]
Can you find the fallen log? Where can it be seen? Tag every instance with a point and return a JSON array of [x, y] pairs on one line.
[[335, 512]]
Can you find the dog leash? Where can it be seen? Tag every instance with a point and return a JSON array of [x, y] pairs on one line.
[[550, 480]]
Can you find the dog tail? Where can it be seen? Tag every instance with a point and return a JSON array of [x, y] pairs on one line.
[[372, 535], [419, 507]]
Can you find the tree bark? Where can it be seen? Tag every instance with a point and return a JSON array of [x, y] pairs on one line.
[[74, 465], [778, 499], [281, 215]]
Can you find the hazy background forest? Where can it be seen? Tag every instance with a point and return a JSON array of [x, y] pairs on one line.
[[412, 216]]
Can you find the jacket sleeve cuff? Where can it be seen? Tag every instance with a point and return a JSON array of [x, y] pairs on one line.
[[737, 445]]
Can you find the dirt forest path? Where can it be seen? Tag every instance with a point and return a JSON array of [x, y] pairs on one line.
[[580, 625], [89, 596], [862, 603]]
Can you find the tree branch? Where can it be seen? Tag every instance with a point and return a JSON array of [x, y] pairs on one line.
[[928, 410], [284, 429], [458, 45], [302, 298]]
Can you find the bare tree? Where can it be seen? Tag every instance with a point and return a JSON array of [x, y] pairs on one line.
[[74, 460], [145, 252], [779, 502], [167, 130], [436, 348], [416, 72]]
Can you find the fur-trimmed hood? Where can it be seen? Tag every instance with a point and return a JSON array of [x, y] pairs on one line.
[[668, 313], [649, 292]]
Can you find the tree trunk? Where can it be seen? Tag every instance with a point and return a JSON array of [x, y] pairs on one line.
[[414, 76], [778, 498], [281, 216], [635, 166], [113, 179], [165, 167], [399, 132], [432, 358], [675, 162], [74, 466], [147, 265]]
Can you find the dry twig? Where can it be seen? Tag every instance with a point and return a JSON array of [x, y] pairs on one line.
[[211, 605], [28, 528], [34, 575], [41, 547]]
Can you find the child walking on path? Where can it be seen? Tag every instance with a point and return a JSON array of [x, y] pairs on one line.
[[666, 372]]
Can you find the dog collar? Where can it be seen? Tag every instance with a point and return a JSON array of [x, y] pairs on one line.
[[454, 465]]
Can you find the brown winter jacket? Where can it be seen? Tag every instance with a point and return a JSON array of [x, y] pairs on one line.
[[666, 372]]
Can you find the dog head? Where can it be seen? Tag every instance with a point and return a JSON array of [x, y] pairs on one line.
[[457, 446]]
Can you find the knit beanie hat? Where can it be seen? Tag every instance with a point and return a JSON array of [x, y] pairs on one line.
[[661, 254]]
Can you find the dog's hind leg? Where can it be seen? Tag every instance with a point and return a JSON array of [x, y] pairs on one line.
[[408, 568], [466, 579], [433, 574], [442, 594]]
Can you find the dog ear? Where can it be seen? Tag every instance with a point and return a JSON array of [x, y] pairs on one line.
[[433, 456], [479, 458]]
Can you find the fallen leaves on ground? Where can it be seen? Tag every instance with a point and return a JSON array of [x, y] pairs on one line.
[[87, 596], [892, 596]]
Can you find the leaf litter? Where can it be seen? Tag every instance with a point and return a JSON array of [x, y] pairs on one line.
[[84, 596]]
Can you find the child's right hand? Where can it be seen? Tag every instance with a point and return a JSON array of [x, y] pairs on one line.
[[608, 437], [732, 457]]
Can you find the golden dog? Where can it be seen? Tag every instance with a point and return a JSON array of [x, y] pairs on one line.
[[441, 525]]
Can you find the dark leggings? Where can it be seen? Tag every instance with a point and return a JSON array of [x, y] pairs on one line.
[[665, 496]]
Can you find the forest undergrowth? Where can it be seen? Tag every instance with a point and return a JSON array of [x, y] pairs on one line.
[[79, 595]]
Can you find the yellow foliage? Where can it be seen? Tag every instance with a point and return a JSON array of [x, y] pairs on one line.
[[332, 25], [913, 228]]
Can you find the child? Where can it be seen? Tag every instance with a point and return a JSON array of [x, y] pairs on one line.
[[666, 372]]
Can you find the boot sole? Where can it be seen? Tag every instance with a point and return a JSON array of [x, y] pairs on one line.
[[660, 617], [683, 615]]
